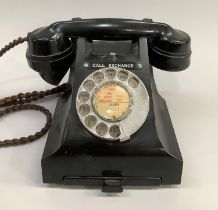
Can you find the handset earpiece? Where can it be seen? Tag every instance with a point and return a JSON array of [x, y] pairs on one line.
[[172, 52], [50, 53]]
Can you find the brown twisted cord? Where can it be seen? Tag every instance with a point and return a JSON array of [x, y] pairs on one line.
[[21, 102], [12, 44]]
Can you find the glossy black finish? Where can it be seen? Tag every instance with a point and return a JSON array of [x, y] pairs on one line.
[[74, 156], [54, 46]]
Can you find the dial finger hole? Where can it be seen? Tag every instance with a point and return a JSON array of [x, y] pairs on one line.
[[90, 121], [110, 73], [114, 131], [122, 75], [101, 129], [89, 85], [133, 82], [84, 109], [98, 77], [83, 96]]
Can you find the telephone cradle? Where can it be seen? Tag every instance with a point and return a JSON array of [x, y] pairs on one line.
[[111, 128]]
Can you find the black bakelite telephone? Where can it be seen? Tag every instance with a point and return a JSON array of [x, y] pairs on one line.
[[111, 128]]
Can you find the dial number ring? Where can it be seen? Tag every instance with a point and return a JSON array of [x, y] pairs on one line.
[[112, 103]]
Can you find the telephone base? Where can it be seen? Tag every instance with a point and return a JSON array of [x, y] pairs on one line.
[[74, 156]]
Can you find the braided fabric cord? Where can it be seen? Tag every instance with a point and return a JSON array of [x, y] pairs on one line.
[[22, 101]]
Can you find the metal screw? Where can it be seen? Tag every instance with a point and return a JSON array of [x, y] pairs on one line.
[[86, 65], [140, 65]]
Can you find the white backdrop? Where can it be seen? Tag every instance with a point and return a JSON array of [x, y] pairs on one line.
[[191, 95]]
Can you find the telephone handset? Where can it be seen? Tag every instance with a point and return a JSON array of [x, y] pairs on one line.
[[53, 47], [111, 128]]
